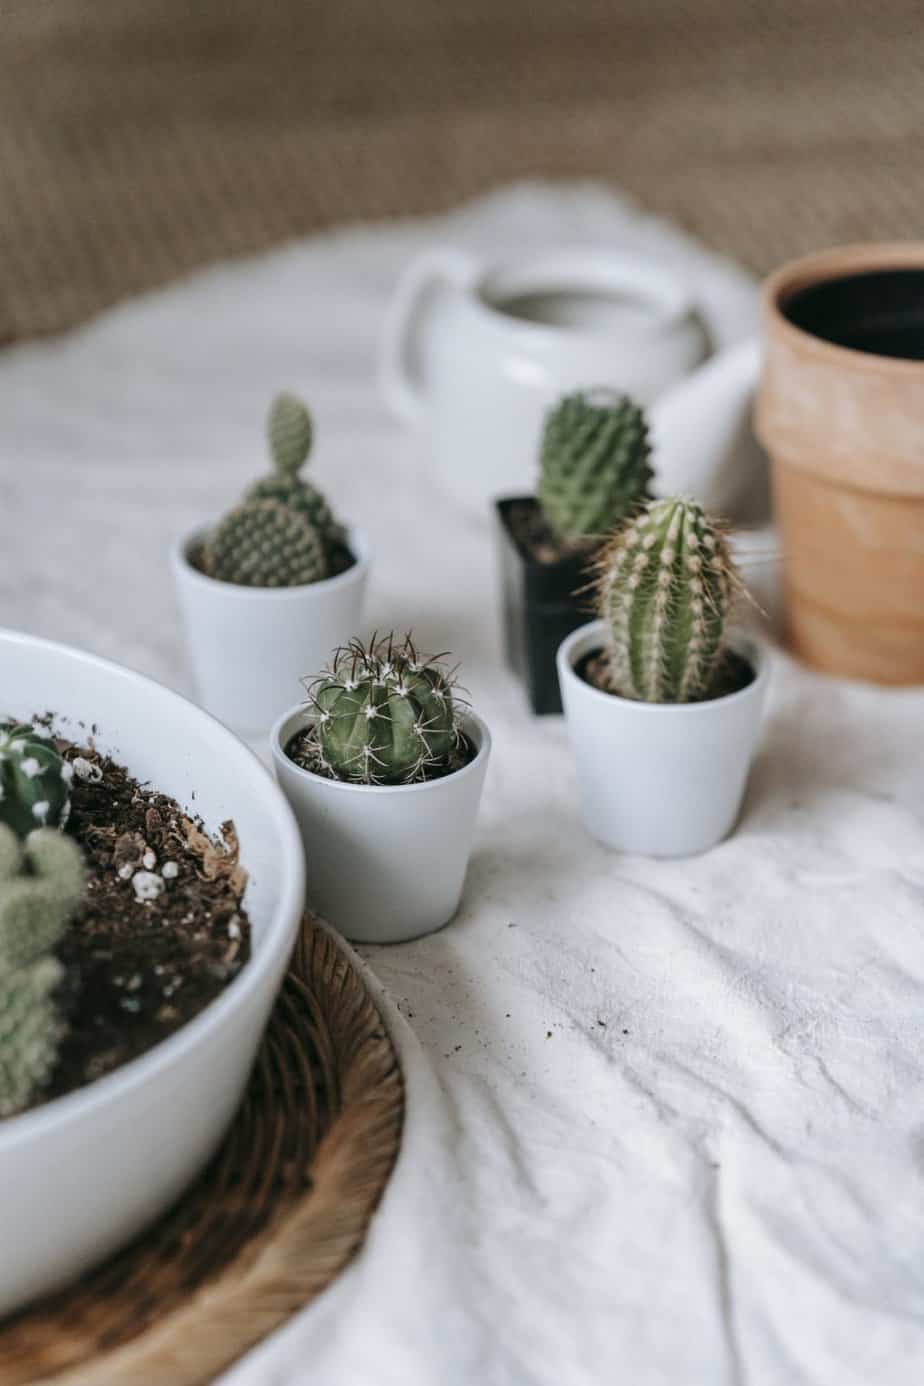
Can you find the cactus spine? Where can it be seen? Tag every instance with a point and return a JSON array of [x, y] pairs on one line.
[[666, 587], [593, 464], [384, 715], [41, 885], [35, 781], [283, 533]]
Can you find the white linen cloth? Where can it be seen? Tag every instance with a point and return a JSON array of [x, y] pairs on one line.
[[665, 1121]]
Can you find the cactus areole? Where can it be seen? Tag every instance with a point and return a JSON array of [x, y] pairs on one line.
[[666, 586], [384, 715]]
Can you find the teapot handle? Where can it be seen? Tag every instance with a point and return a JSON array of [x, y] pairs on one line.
[[400, 377]]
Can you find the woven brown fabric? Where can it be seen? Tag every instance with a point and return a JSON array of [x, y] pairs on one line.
[[277, 1214], [138, 140]]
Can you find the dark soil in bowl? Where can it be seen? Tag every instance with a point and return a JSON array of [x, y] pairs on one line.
[[537, 540], [734, 673], [303, 750], [136, 970]]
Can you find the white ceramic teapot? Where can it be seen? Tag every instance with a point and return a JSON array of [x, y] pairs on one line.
[[477, 352]]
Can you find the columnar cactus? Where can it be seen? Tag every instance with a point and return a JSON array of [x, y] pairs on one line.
[[35, 781], [384, 715], [41, 885], [282, 534], [666, 586], [594, 464]]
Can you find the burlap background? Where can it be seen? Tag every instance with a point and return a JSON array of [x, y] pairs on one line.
[[139, 138]]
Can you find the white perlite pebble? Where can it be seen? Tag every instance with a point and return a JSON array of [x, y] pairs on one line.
[[149, 860], [170, 870], [147, 885], [125, 871], [85, 770]]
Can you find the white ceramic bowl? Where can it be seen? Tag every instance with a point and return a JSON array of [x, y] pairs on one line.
[[83, 1174], [250, 646], [386, 863]]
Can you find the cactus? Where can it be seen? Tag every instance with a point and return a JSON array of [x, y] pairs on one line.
[[594, 464], [290, 435], [666, 585], [35, 781], [384, 715], [41, 885], [262, 543]]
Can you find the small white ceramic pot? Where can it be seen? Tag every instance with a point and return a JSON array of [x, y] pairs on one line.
[[84, 1173], [660, 779], [250, 646], [385, 863]]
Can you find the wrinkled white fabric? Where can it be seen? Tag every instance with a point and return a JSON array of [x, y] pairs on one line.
[[665, 1121]]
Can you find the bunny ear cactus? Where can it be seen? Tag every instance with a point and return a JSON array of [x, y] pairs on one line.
[[666, 587], [385, 715], [41, 885], [35, 781], [290, 434], [593, 464], [283, 533]]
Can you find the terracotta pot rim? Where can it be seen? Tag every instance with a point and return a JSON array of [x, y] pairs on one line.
[[834, 263]]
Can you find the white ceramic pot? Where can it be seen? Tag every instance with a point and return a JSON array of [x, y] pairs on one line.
[[386, 863], [83, 1174], [478, 352], [250, 646], [660, 779]]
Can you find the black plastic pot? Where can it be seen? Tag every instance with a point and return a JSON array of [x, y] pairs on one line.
[[539, 607]]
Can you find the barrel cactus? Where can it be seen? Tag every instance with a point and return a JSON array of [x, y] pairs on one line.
[[384, 714], [282, 534], [35, 781], [593, 464], [666, 587], [41, 884]]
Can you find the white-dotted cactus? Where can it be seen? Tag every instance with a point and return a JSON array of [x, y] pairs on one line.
[[35, 781], [41, 884], [666, 587]]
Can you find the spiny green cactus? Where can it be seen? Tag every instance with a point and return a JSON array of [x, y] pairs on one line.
[[41, 884], [666, 586], [593, 464], [290, 436], [261, 543], [35, 781], [385, 715]]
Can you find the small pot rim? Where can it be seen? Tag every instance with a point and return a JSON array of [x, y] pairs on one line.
[[182, 567], [470, 722], [595, 631], [835, 263]]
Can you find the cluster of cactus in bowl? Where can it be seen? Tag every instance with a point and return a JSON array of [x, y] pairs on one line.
[[42, 881]]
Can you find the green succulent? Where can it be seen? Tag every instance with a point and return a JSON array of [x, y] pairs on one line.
[[384, 714], [666, 587], [41, 885], [593, 464], [35, 780]]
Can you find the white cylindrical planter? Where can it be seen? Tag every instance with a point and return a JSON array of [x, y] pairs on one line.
[[660, 779], [385, 863], [250, 646]]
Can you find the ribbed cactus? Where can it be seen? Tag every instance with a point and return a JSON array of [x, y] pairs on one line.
[[290, 436], [594, 463], [666, 586], [35, 781], [384, 714], [41, 885], [261, 543]]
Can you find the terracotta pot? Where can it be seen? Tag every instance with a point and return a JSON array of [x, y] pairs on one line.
[[841, 411]]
